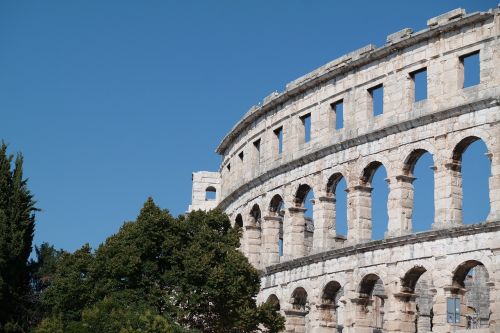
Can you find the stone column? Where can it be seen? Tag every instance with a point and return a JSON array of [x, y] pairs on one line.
[[253, 244], [448, 196], [359, 214], [400, 206], [294, 229], [362, 321], [324, 224], [400, 316], [295, 321], [495, 292], [494, 184], [270, 239], [327, 319]]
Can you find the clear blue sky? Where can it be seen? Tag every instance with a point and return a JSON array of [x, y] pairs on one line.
[[115, 101]]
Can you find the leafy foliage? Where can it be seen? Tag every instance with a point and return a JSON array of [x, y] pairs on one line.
[[159, 273], [17, 223]]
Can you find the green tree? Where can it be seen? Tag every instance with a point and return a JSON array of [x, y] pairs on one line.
[[156, 271], [17, 223], [72, 286]]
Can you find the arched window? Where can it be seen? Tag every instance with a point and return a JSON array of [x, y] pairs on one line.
[[336, 188], [474, 169], [329, 307], [419, 165], [277, 209], [374, 175], [210, 193], [371, 301], [473, 277], [238, 222], [305, 198]]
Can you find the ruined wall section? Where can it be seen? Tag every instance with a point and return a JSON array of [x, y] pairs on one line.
[[438, 48]]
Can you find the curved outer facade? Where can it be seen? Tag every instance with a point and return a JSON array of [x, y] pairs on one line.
[[322, 281]]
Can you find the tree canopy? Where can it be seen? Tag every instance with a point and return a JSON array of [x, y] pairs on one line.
[[17, 224], [159, 274]]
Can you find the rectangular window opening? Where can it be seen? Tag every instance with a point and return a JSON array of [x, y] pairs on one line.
[[306, 122], [279, 136], [419, 84], [471, 69], [338, 108], [377, 99], [256, 145]]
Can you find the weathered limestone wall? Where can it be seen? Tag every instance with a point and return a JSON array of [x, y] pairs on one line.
[[438, 253], [202, 181], [402, 283]]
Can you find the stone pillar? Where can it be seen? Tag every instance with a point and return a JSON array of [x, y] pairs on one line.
[[270, 239], [448, 196], [253, 244], [400, 206], [295, 321], [359, 214], [495, 292], [400, 316], [362, 321], [326, 320], [494, 184], [294, 229], [324, 224]]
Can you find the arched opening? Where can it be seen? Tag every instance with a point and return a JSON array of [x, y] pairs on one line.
[[274, 302], [277, 209], [296, 316], [210, 193], [304, 198], [472, 169], [416, 293], [420, 198], [330, 309], [370, 309], [238, 222], [299, 299], [336, 189], [374, 176], [253, 235], [471, 289]]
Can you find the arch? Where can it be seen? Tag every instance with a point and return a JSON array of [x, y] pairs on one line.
[[301, 194], [462, 146], [378, 196], [470, 285], [299, 299], [210, 193], [460, 273], [329, 307], [276, 205], [471, 176], [410, 279], [255, 215], [367, 284], [238, 221], [412, 159], [340, 201], [333, 181], [370, 309], [274, 301], [369, 172], [330, 292], [417, 190]]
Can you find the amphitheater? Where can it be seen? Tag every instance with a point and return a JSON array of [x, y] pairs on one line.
[[292, 144]]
